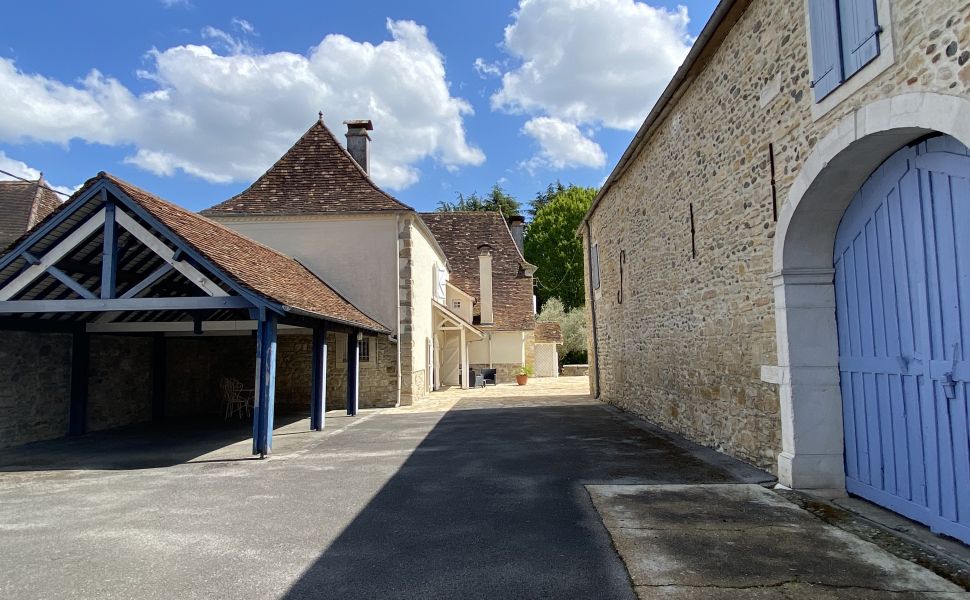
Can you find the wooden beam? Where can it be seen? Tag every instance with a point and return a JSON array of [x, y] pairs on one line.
[[148, 281], [353, 373], [243, 326], [318, 398], [168, 255], [80, 356], [127, 304], [109, 257], [69, 281], [265, 386], [53, 255]]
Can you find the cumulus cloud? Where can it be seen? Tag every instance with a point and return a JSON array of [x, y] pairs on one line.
[[227, 117], [21, 170], [485, 69], [561, 145], [588, 62], [591, 61]]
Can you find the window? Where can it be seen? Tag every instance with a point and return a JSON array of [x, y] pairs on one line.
[[440, 283], [363, 350], [456, 304], [844, 38], [594, 266]]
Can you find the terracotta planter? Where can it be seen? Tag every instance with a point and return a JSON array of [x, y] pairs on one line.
[[521, 379]]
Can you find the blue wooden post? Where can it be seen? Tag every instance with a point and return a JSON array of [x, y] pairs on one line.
[[318, 400], [265, 385], [109, 257], [158, 377], [353, 372], [78, 415]]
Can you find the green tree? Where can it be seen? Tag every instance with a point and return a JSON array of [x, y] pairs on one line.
[[496, 200], [545, 197], [551, 245], [573, 325]]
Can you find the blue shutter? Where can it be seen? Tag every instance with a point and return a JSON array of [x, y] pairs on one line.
[[860, 34], [826, 62]]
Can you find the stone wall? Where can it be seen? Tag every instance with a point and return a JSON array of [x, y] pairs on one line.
[[685, 347], [35, 386], [504, 372], [119, 381], [378, 379]]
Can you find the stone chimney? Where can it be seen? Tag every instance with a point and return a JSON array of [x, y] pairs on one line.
[[517, 227], [485, 284], [358, 140]]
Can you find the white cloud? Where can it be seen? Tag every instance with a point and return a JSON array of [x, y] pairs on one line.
[[227, 117], [244, 26], [20, 169], [602, 62], [176, 3], [561, 145], [486, 70]]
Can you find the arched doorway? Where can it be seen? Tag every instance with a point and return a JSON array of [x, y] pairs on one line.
[[902, 294]]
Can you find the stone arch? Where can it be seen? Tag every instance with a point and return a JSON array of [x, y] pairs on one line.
[[807, 339]]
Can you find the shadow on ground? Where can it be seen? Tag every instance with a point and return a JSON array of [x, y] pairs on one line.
[[492, 505], [143, 446]]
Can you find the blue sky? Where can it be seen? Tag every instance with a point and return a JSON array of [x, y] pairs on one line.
[[192, 100]]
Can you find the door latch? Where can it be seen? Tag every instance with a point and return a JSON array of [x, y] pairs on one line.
[[949, 383]]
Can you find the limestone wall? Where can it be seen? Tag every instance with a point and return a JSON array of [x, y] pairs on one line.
[[685, 347], [35, 386], [119, 381]]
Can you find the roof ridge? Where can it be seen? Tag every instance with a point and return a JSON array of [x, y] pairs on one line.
[[275, 175]]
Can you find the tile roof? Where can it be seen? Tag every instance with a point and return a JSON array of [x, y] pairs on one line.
[[548, 332], [23, 204], [316, 176], [261, 269], [460, 234]]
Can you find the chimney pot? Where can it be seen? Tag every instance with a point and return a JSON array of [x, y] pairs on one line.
[[358, 141], [517, 228]]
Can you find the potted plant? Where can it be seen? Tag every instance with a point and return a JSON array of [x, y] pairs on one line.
[[522, 377]]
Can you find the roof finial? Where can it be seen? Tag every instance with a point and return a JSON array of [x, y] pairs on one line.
[[321, 116]]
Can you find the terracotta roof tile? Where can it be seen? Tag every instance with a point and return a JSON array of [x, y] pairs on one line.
[[316, 176], [548, 332], [261, 269], [23, 204], [460, 234]]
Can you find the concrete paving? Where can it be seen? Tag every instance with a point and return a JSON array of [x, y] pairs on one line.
[[477, 494], [745, 541]]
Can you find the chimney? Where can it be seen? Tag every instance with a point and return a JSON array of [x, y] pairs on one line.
[[485, 283], [517, 227], [358, 140]]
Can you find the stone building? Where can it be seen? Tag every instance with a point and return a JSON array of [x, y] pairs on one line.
[[23, 204], [488, 269], [776, 266], [318, 205]]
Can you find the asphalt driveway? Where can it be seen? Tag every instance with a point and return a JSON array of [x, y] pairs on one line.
[[482, 497]]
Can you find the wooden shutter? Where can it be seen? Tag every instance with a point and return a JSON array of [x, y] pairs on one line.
[[826, 60], [860, 34]]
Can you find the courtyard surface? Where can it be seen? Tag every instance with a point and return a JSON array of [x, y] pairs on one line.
[[508, 492]]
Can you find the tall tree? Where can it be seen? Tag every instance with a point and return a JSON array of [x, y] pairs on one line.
[[545, 197], [496, 200], [551, 245]]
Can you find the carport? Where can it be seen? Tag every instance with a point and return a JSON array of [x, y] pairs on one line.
[[116, 260]]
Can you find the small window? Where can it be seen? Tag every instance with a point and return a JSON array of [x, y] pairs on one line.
[[456, 304], [844, 38], [365, 350], [594, 266]]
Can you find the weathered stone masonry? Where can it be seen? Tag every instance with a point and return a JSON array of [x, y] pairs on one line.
[[685, 347]]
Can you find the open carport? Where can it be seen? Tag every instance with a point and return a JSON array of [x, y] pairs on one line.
[[122, 308]]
